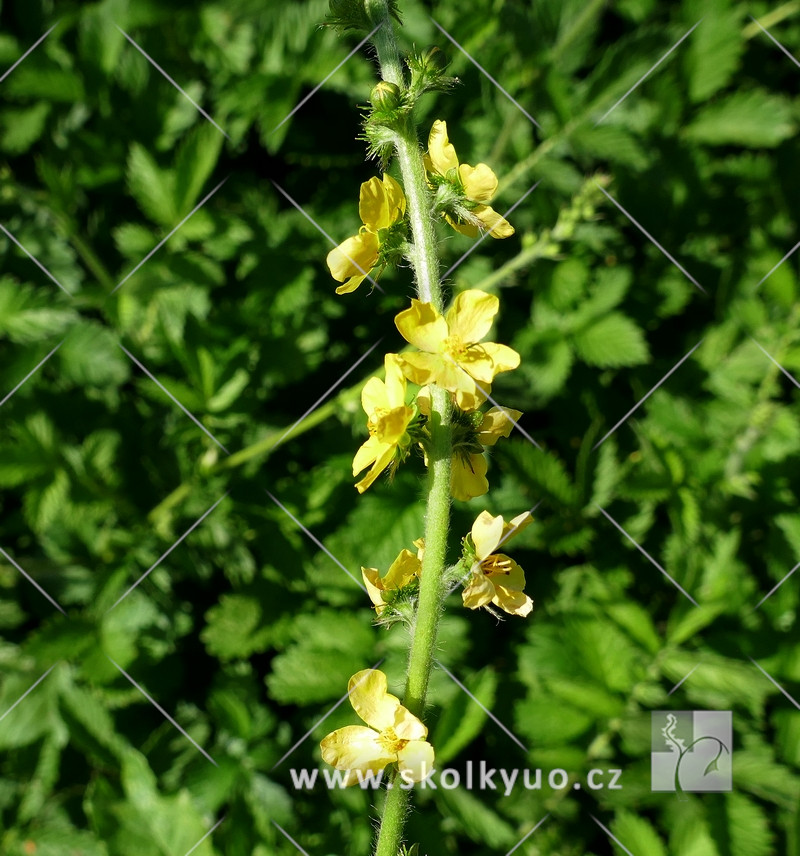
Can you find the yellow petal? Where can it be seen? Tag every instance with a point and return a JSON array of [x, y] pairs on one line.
[[353, 257], [497, 422], [383, 459], [513, 602], [374, 396], [415, 761], [395, 198], [372, 583], [423, 401], [351, 285], [468, 478], [484, 362], [420, 545], [441, 153], [372, 206], [486, 534], [422, 326], [471, 315], [367, 454], [402, 571], [421, 368], [395, 382], [390, 427], [516, 525], [407, 726], [478, 592], [355, 748], [480, 182], [493, 223], [468, 229], [371, 701]]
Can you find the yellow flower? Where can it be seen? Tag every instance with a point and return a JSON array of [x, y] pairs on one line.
[[380, 206], [478, 184], [469, 466], [395, 734], [403, 571], [388, 416], [451, 354], [495, 577]]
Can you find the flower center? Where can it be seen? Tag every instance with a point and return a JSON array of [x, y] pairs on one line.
[[390, 741], [455, 347], [376, 420], [496, 564]]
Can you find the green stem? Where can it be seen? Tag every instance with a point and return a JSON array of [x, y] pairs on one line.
[[425, 262]]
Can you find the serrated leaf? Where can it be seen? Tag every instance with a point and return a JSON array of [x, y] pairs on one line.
[[478, 821], [755, 119], [195, 162], [636, 835], [152, 187], [713, 52], [233, 629], [613, 340]]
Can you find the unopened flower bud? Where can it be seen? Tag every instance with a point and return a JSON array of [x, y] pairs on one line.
[[386, 96]]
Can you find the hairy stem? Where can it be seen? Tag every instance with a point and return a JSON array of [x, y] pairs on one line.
[[425, 262]]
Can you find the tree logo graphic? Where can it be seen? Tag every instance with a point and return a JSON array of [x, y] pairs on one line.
[[691, 750]]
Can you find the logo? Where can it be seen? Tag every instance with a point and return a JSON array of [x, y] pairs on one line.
[[691, 750]]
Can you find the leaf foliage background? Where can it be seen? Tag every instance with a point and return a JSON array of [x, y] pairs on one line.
[[247, 632]]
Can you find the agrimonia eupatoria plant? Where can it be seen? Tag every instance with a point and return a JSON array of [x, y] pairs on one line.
[[443, 415]]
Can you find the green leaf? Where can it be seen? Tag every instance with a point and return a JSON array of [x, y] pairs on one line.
[[477, 820], [756, 119], [196, 160], [234, 629], [152, 187], [637, 835], [713, 51], [462, 720], [329, 647], [91, 356], [22, 128], [613, 340]]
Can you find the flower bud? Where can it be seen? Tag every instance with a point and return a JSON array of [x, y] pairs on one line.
[[386, 97]]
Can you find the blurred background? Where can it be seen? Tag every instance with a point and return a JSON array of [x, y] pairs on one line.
[[248, 626]]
